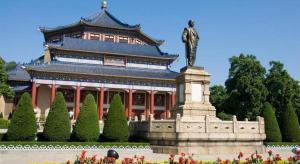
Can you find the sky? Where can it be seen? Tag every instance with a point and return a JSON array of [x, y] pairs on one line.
[[269, 29]]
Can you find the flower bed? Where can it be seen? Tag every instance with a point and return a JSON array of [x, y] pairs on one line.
[[183, 159]]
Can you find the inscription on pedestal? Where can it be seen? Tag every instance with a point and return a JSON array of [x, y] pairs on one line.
[[197, 92], [181, 93]]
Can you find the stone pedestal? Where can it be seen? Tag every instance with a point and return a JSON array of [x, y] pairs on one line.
[[194, 127], [192, 94]]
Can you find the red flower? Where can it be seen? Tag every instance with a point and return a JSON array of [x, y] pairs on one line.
[[270, 152], [298, 152], [240, 155], [259, 156], [291, 159], [277, 157], [182, 154], [181, 160], [94, 158]]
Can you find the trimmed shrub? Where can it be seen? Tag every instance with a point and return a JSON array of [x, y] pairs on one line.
[[224, 116], [290, 128], [87, 123], [271, 124], [1, 115], [23, 123], [57, 126], [4, 123], [115, 125]]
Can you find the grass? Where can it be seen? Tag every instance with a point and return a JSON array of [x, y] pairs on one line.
[[282, 143], [75, 143]]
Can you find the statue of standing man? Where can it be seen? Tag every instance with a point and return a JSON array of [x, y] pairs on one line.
[[190, 37]]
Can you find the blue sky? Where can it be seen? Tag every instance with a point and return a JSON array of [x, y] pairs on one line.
[[269, 29]]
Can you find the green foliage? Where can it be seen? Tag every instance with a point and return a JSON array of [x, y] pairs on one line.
[[4, 88], [115, 126], [271, 124], [57, 126], [218, 97], [282, 88], [10, 66], [224, 116], [245, 88], [87, 123], [4, 123], [23, 123], [1, 115], [290, 128]]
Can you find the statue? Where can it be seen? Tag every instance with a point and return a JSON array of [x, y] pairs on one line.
[[190, 37]]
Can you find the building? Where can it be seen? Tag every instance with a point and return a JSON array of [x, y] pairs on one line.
[[102, 56]]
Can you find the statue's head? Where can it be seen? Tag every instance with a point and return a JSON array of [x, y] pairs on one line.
[[191, 23]]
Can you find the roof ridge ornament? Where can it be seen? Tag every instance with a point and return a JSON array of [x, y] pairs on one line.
[[104, 5]]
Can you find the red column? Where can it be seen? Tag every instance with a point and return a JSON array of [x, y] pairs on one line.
[[126, 104], [77, 102], [53, 93], [173, 99], [152, 102], [33, 95], [147, 106], [130, 103], [100, 103], [167, 106]]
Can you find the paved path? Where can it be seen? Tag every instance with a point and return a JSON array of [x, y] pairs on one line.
[[40, 156]]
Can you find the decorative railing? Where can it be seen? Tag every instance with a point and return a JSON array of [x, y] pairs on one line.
[[70, 147]]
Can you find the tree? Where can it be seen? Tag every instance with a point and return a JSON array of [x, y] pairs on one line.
[[290, 128], [87, 123], [115, 125], [4, 88], [282, 89], [218, 97], [57, 126], [23, 123], [271, 124], [10, 65], [245, 88]]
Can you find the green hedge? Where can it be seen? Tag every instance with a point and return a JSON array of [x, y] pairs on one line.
[[57, 126], [271, 126], [3, 123], [115, 125], [23, 123], [87, 124]]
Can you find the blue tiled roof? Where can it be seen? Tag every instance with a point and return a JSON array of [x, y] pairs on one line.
[[105, 19], [18, 74], [101, 70], [102, 19], [111, 48]]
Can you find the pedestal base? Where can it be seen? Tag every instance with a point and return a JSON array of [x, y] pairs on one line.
[[212, 148]]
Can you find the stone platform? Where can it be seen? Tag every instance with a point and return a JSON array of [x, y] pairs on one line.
[[194, 127]]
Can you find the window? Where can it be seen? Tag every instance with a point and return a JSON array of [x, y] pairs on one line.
[[94, 36], [159, 100], [109, 38], [123, 39], [138, 99], [112, 60]]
